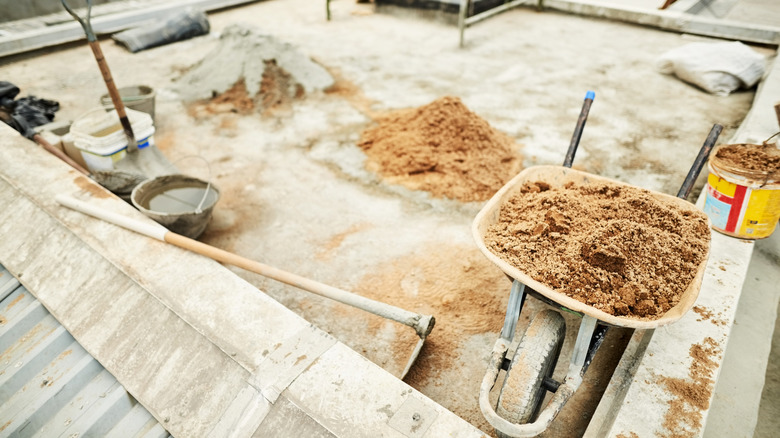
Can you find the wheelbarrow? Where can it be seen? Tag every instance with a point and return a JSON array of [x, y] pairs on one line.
[[529, 373]]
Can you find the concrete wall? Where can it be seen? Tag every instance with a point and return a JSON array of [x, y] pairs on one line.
[[12, 10]]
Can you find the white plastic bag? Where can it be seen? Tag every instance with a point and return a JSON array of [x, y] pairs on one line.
[[718, 68]]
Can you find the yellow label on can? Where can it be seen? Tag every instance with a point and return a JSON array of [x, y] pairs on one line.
[[721, 185], [761, 213]]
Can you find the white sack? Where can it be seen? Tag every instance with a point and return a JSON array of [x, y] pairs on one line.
[[718, 68]]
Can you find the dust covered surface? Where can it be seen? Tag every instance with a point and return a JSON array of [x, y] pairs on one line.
[[443, 148], [692, 395], [616, 248], [467, 295], [755, 159]]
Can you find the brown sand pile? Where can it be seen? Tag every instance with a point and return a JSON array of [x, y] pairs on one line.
[[442, 148], [614, 247], [691, 395], [750, 158]]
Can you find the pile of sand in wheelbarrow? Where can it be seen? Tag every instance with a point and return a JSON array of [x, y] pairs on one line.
[[442, 148], [616, 248], [249, 71]]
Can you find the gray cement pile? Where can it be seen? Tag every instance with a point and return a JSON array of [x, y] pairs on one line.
[[243, 53]]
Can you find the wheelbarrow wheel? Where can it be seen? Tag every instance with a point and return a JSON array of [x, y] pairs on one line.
[[522, 393]]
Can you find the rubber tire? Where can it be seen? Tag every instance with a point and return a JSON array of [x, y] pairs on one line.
[[522, 393]]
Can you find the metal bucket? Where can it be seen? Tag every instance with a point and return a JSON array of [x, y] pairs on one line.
[[139, 98], [181, 203]]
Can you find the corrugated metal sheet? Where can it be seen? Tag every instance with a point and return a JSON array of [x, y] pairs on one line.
[[50, 386]]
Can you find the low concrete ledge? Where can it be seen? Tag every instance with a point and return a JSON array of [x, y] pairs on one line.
[[204, 351], [639, 399], [671, 20]]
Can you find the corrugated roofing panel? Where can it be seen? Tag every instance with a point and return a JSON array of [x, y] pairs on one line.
[[50, 386]]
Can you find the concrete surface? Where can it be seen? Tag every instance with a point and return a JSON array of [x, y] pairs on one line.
[[738, 406], [755, 330], [295, 175], [745, 307], [205, 352], [666, 355]]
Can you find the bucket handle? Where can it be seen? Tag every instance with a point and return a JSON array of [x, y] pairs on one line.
[[766, 142], [199, 208]]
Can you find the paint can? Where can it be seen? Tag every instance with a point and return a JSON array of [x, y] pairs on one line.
[[138, 97], [742, 202], [181, 203], [101, 140]]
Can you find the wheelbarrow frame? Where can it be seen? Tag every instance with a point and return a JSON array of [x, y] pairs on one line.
[[594, 324]]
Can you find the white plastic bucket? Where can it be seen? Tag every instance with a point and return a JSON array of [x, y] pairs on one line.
[[102, 142]]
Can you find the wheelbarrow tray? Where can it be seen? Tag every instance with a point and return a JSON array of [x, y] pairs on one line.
[[557, 176]]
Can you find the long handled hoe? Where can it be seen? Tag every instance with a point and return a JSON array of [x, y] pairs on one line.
[[422, 324]]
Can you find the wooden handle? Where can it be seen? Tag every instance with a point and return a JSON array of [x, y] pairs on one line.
[[384, 310], [422, 324], [59, 154], [116, 99]]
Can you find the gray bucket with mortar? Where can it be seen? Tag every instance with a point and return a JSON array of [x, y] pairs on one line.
[[139, 98], [180, 203]]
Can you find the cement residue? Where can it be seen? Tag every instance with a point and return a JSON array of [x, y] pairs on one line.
[[244, 53], [442, 148], [614, 247]]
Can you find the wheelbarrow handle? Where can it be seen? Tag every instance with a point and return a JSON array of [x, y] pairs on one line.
[[698, 163], [575, 138]]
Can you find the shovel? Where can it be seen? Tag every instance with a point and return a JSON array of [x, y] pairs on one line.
[[422, 324], [136, 167]]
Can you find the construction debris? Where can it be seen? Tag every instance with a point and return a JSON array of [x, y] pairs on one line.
[[245, 54]]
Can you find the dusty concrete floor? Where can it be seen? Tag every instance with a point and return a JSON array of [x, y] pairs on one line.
[[295, 194]]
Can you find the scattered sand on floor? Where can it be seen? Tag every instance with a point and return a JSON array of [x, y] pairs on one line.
[[467, 295], [442, 148], [691, 395], [616, 248]]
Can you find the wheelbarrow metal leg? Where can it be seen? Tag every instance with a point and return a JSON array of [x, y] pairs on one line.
[[516, 300]]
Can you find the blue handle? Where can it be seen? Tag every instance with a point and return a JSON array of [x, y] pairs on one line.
[[590, 95]]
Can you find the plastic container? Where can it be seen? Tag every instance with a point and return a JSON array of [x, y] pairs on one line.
[[139, 98], [99, 137], [740, 202], [181, 203]]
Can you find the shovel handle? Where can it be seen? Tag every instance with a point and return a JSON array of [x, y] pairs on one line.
[[116, 99], [58, 153], [132, 144], [422, 324]]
